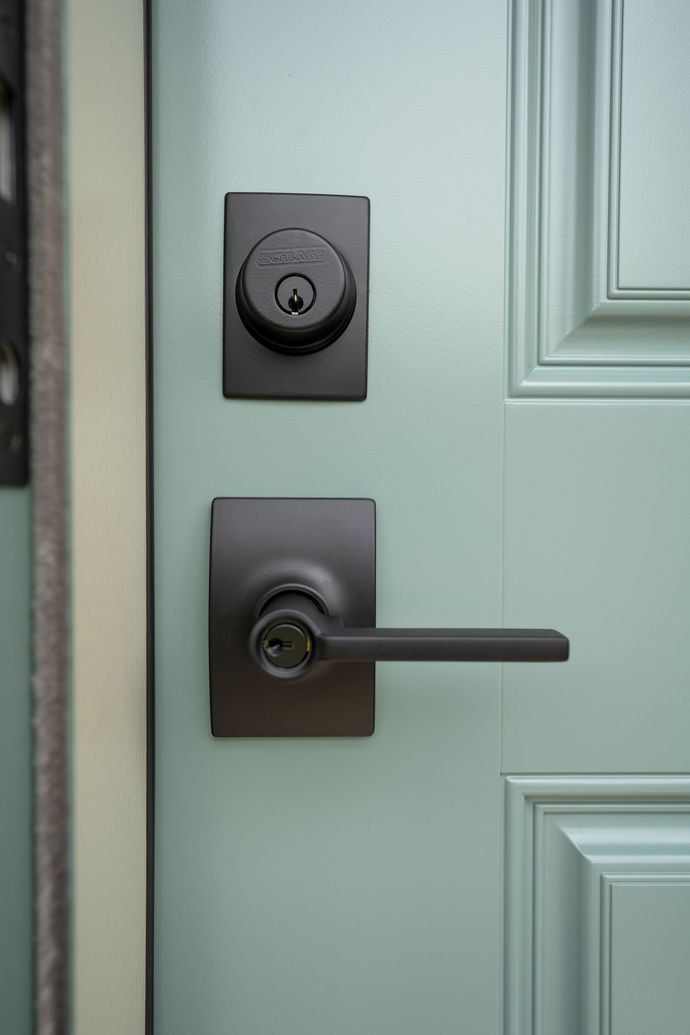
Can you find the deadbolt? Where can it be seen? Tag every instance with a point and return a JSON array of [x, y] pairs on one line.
[[295, 291], [295, 301]]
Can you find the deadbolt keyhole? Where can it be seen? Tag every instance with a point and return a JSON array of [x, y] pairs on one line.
[[295, 295]]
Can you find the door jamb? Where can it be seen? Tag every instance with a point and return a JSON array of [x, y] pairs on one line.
[[108, 224]]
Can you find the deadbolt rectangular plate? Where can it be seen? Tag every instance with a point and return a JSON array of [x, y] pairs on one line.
[[328, 545], [250, 369]]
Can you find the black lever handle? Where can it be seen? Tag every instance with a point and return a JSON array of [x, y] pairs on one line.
[[293, 631]]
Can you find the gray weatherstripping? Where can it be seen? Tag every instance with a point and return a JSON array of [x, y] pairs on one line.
[[50, 514]]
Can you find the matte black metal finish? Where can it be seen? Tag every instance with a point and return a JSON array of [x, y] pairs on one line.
[[273, 349], [288, 578], [261, 547], [14, 351], [333, 641], [284, 310]]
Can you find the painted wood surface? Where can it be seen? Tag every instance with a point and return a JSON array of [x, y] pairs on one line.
[[581, 96], [306, 886], [16, 917], [597, 892], [510, 850]]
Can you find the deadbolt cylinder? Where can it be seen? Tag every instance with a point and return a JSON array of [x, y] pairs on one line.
[[295, 291]]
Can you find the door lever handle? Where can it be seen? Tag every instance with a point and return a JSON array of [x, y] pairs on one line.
[[293, 642], [293, 632]]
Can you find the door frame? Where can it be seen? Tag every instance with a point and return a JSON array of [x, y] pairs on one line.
[[108, 147]]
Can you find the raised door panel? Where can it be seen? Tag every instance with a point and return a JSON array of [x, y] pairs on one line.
[[597, 903], [653, 211], [648, 953], [599, 286]]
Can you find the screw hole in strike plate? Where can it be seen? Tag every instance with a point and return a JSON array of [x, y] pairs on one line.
[[9, 374], [10, 439]]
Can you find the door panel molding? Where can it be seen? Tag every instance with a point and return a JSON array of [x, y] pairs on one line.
[[582, 856], [574, 328]]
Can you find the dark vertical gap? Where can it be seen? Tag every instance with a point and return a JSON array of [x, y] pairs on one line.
[[150, 610], [8, 171], [14, 337]]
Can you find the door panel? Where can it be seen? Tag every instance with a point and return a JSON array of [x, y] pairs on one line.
[[654, 220], [523, 437], [311, 886], [594, 866], [596, 518], [575, 327]]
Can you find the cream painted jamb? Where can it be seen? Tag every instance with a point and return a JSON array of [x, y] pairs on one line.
[[106, 233]]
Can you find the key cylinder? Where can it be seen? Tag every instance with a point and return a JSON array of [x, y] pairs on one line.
[[286, 645], [295, 291]]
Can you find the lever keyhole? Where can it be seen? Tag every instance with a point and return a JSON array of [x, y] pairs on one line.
[[285, 645], [275, 646]]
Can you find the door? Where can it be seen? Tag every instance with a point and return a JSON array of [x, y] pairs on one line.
[[510, 850], [15, 752]]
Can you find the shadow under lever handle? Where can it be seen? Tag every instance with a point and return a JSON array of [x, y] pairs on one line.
[[323, 637]]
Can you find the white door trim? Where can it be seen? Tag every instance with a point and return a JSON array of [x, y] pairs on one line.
[[106, 207]]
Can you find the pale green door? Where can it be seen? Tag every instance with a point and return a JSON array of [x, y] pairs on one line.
[[510, 851]]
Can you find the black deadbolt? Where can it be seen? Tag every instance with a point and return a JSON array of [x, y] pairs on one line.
[[295, 291], [295, 296]]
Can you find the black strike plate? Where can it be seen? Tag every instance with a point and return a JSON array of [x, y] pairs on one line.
[[14, 357], [321, 241], [327, 545]]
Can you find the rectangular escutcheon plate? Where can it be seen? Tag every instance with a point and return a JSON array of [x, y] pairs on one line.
[[257, 546], [252, 370]]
